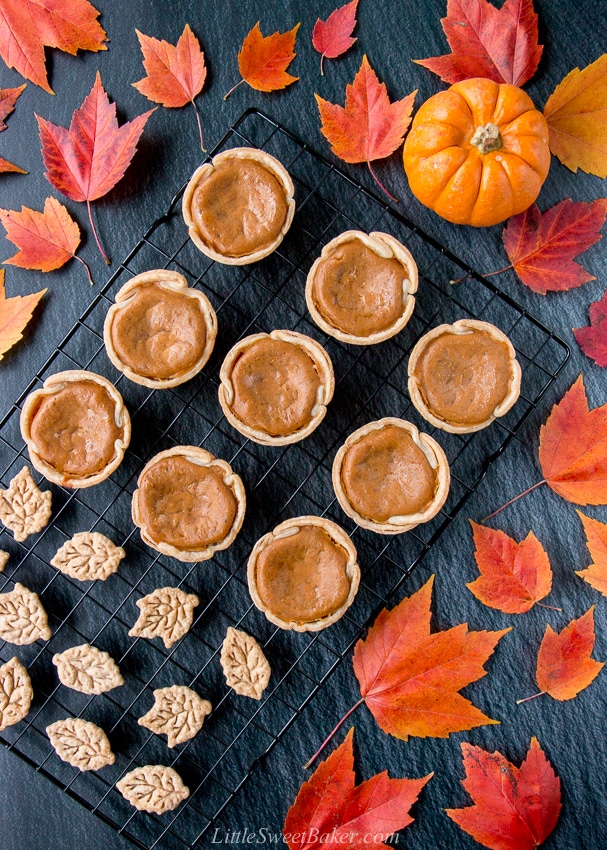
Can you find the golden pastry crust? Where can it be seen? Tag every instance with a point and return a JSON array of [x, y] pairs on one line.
[[54, 384], [436, 458], [172, 282], [233, 482], [460, 327], [287, 529], [384, 246], [322, 365], [202, 173]]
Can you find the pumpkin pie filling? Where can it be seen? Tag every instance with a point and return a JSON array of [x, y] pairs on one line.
[[385, 474], [240, 208], [184, 504], [358, 291], [159, 333], [275, 385], [463, 377], [74, 430], [302, 577]]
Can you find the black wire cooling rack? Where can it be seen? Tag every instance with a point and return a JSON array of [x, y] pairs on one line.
[[280, 482]]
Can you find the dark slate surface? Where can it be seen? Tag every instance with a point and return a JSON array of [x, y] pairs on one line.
[[35, 815]]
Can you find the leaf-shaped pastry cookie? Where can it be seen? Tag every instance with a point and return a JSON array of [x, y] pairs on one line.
[[167, 613], [178, 713], [15, 693], [80, 743], [23, 507], [153, 788], [245, 666], [87, 669], [3, 559], [88, 556], [23, 620]]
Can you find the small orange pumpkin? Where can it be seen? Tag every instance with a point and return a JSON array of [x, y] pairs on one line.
[[477, 153]]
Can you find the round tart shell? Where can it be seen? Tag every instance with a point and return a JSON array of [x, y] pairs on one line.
[[436, 457], [175, 282], [463, 326], [324, 368], [52, 385], [286, 529], [204, 171], [385, 246], [231, 479]]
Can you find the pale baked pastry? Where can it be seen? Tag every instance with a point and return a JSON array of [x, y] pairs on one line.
[[463, 376], [244, 665], [76, 428], [153, 788], [188, 504], [81, 743], [304, 575], [160, 332], [275, 387], [361, 290], [239, 206], [389, 477]]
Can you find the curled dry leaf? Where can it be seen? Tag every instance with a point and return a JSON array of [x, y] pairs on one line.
[[4, 556], [178, 712], [87, 669], [24, 509], [263, 60], [596, 540], [167, 613], [514, 808], [88, 556], [16, 693], [80, 743], [153, 788], [593, 338], [575, 113], [246, 668], [23, 620], [333, 37], [15, 313]]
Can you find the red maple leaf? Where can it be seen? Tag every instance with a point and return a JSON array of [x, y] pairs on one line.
[[88, 160], [593, 338], [263, 60], [331, 810], [500, 44], [334, 36], [369, 127], [176, 74], [514, 808], [8, 99]]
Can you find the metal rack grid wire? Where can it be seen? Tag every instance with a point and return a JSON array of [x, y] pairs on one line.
[[280, 482]]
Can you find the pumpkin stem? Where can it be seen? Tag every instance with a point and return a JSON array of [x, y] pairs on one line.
[[487, 138]]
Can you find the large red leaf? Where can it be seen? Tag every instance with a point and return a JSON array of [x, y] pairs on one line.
[[593, 338], [564, 665], [542, 246], [334, 36], [500, 44], [514, 808], [331, 810]]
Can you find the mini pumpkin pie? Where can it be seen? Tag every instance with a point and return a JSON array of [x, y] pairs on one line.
[[160, 332], [463, 376], [275, 387], [304, 575], [389, 477], [188, 503], [239, 206], [76, 428], [361, 288]]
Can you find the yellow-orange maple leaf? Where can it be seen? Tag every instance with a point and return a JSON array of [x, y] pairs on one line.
[[15, 313], [596, 540], [576, 113], [263, 60]]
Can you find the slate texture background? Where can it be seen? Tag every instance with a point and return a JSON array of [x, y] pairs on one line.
[[34, 815]]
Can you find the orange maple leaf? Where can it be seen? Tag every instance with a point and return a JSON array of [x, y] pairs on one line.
[[513, 576], [46, 240], [27, 26], [333, 37], [15, 313], [592, 338], [176, 74], [575, 113], [8, 99], [263, 60], [8, 167], [87, 160], [369, 127], [515, 808], [596, 540], [330, 809]]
